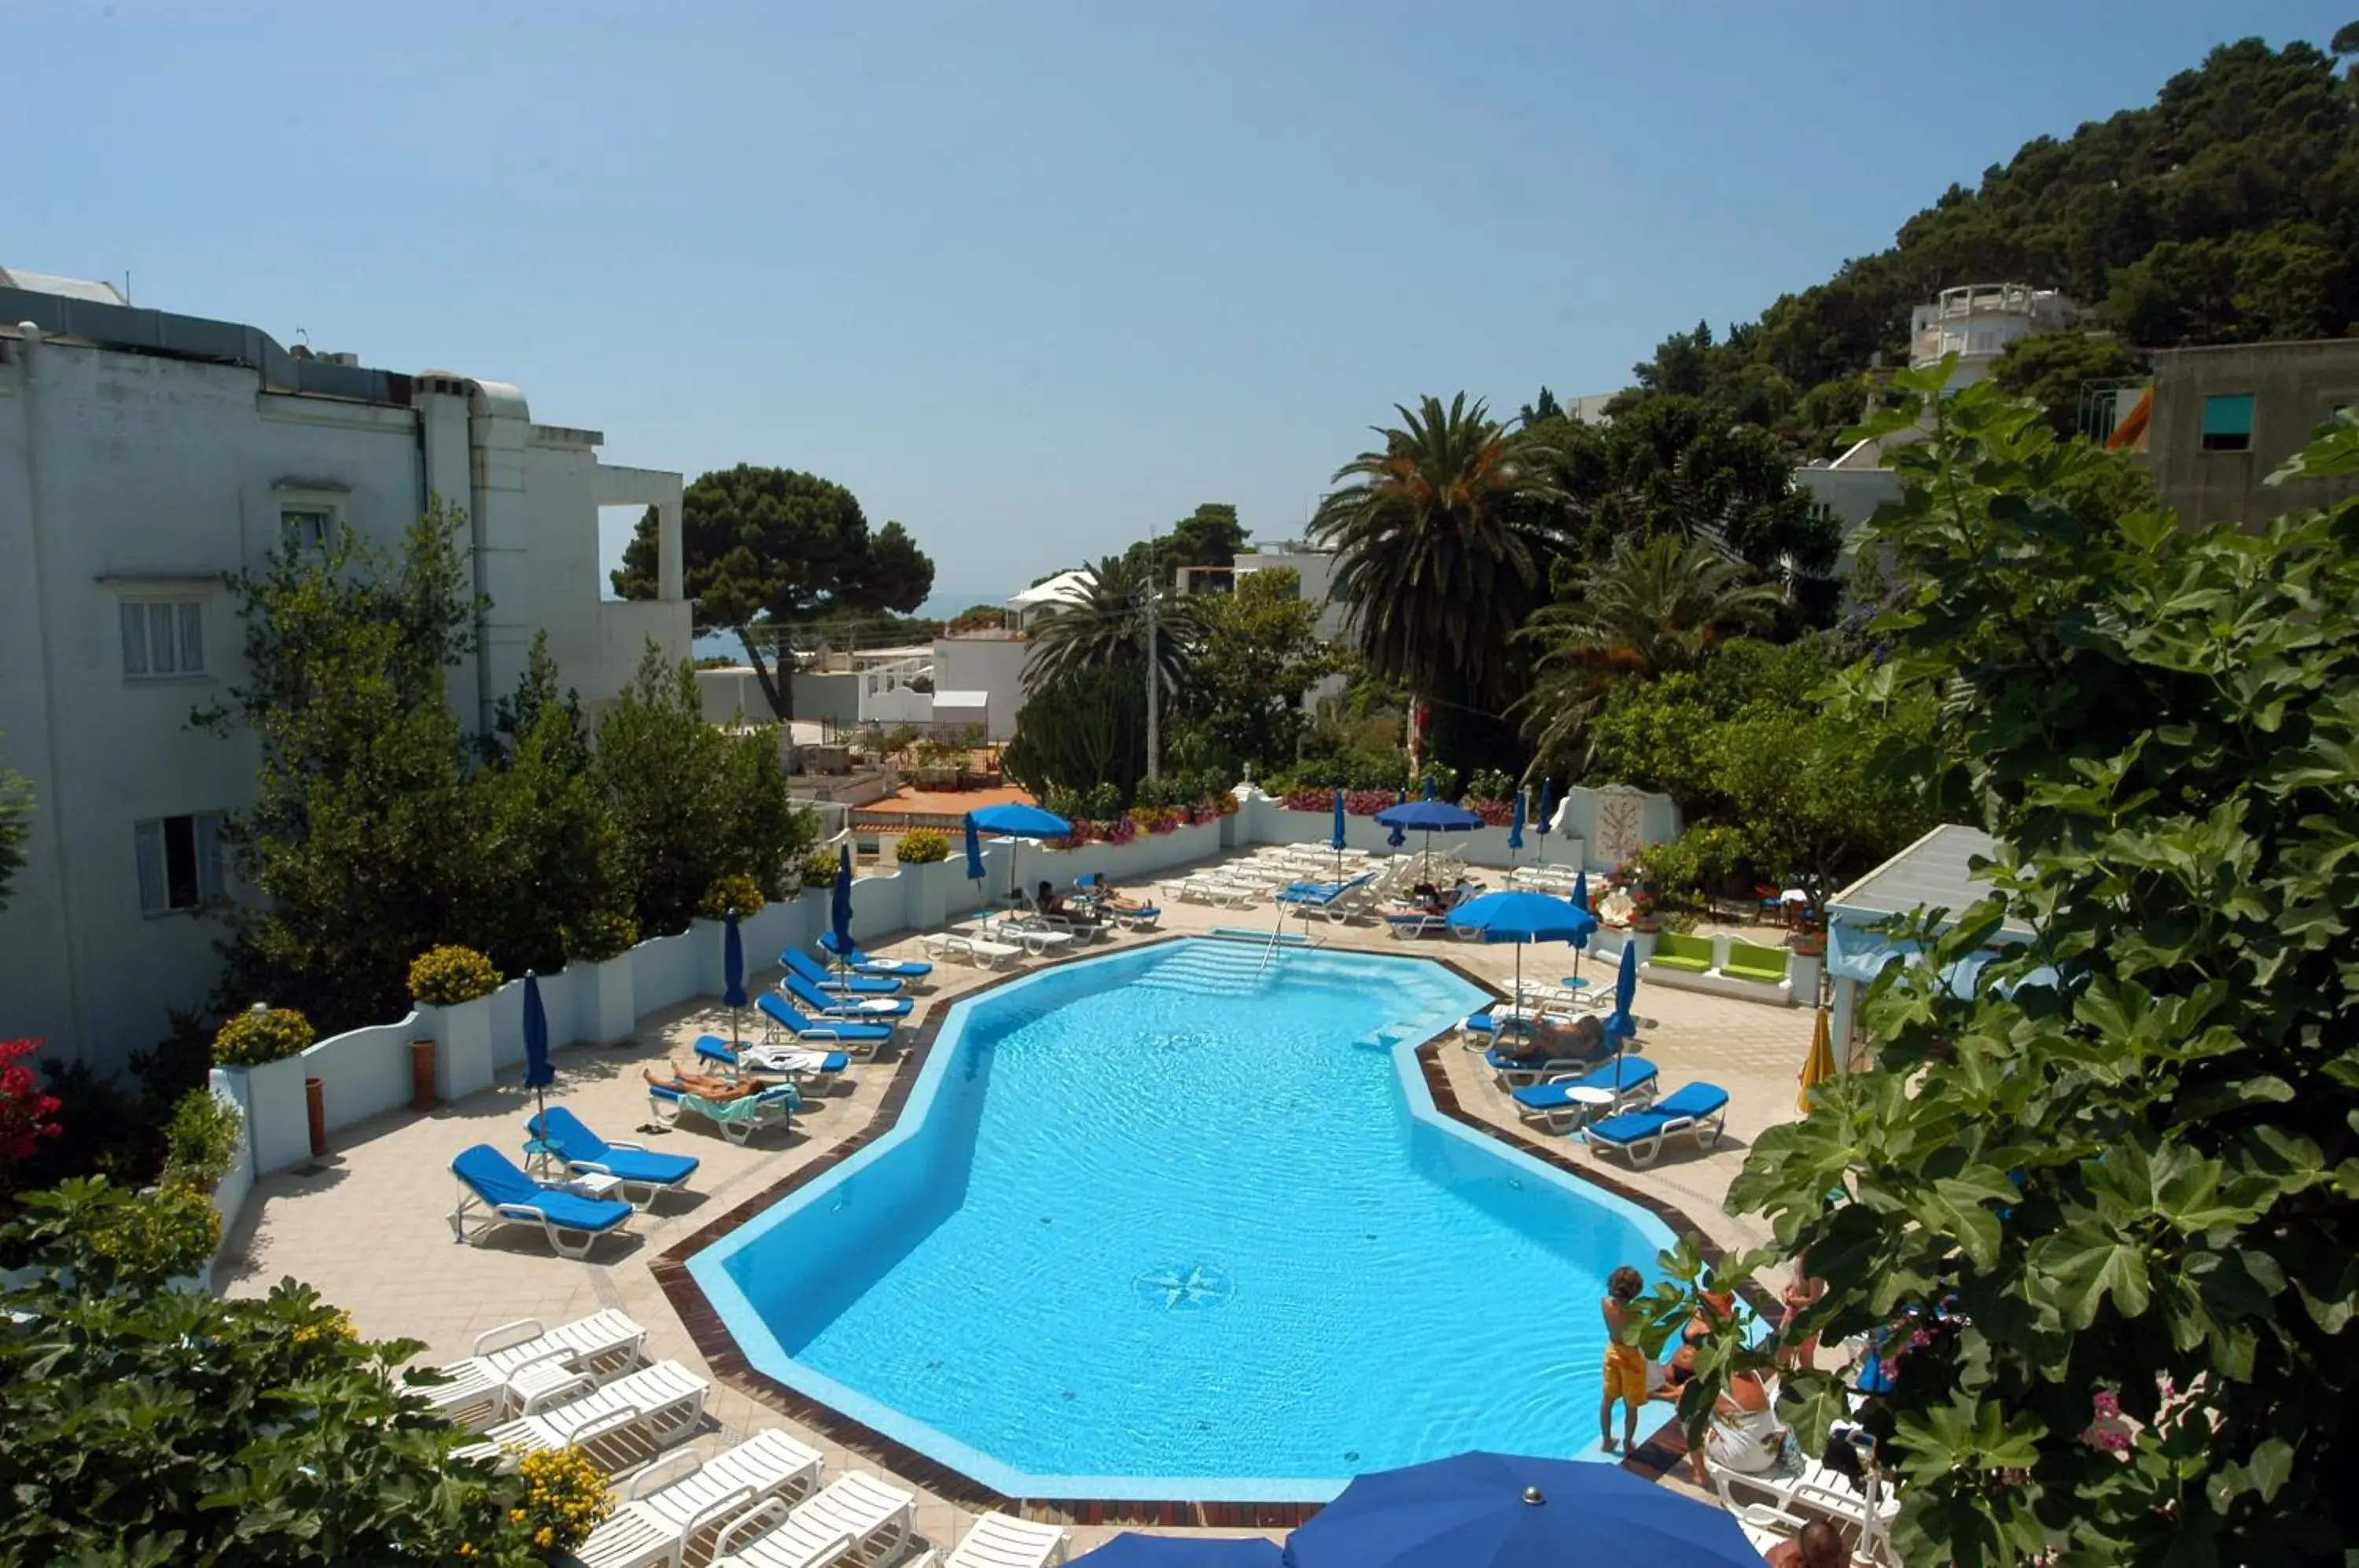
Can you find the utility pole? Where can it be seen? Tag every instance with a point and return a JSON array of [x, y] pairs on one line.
[[1154, 682]]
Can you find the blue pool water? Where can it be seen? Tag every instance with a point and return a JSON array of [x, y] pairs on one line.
[[1177, 1223]]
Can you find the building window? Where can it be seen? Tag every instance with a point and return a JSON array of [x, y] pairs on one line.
[[2228, 422], [179, 863], [163, 637], [307, 523]]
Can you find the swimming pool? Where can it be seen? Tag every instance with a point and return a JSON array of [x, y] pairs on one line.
[[1182, 1223]]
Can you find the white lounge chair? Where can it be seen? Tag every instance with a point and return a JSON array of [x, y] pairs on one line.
[[983, 954], [649, 1409], [997, 1541], [1038, 936], [490, 1181], [675, 1501], [601, 1346], [855, 1516]]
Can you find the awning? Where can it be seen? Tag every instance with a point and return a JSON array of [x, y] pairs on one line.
[[1854, 954]]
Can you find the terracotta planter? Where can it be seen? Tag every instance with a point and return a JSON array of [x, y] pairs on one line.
[[422, 1075], [315, 1108]]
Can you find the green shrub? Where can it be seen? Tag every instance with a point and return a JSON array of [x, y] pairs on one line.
[[600, 935], [261, 1034], [201, 1140], [736, 891], [1061, 802], [105, 1235], [447, 976], [1490, 784], [819, 868], [923, 847], [1103, 803]]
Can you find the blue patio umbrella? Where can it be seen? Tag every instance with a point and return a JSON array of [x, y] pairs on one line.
[[1619, 1023], [1548, 799], [1017, 820], [1132, 1550], [1515, 830], [1498, 1511], [839, 903], [1431, 816], [733, 972], [1335, 839], [1520, 916], [539, 1071], [973, 851], [1399, 835], [1581, 902]]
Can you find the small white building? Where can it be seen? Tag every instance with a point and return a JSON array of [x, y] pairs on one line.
[[143, 455], [1978, 320]]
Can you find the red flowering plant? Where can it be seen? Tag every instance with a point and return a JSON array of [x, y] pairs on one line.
[[1121, 830], [1365, 802], [1494, 813], [24, 1111]]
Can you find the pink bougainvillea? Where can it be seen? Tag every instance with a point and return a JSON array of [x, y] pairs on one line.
[[24, 1111]]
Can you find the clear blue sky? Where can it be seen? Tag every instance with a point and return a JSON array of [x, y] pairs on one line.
[[1031, 278]]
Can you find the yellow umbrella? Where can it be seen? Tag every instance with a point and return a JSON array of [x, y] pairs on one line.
[[1821, 1065]]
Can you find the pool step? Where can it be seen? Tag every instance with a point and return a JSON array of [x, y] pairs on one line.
[[1214, 969]]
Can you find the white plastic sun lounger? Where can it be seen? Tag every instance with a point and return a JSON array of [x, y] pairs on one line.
[[1038, 939], [979, 952], [999, 1542], [651, 1409], [601, 1346], [855, 1516], [676, 1499], [1212, 890]]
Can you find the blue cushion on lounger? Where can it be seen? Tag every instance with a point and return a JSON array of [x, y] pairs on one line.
[[496, 1181], [1691, 1102], [778, 1010], [562, 1131], [798, 962], [713, 1047], [818, 1001], [1636, 1072]]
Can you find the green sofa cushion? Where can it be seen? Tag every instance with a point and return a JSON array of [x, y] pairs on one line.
[[1675, 951], [1750, 960]]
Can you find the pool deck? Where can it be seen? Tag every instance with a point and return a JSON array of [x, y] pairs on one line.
[[371, 1228]]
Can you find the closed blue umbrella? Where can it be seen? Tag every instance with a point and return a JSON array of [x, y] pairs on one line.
[[1548, 799], [539, 1071], [1581, 902], [1520, 916], [973, 851], [733, 972], [1132, 1550], [1335, 839], [1399, 835], [1500, 1510], [839, 905], [1515, 830], [1620, 1024]]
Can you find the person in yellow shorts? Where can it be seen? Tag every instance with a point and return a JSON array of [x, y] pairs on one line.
[[1626, 1363]]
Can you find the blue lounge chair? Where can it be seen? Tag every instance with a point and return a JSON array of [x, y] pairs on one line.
[[738, 1119], [823, 1004], [887, 968], [780, 1017], [714, 1049], [798, 962], [488, 1177], [1700, 1109], [1630, 1081], [584, 1152]]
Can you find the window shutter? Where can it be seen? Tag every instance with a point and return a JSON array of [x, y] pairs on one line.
[[2228, 414], [153, 898], [135, 639], [161, 640], [193, 640], [209, 858]]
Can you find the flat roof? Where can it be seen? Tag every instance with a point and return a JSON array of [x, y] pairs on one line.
[[1934, 872], [961, 698]]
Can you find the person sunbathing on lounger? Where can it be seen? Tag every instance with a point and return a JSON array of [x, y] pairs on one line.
[[1113, 900], [716, 1090]]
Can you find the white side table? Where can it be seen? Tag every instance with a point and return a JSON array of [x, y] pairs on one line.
[[591, 1185]]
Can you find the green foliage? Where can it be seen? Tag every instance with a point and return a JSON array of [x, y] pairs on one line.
[[261, 1035], [819, 868], [692, 803], [923, 846], [740, 892], [1104, 627], [597, 935], [2133, 1182], [1490, 784], [1649, 610], [1086, 730], [769, 551], [1443, 536], [2050, 369], [201, 1141], [450, 974], [1102, 802], [151, 1425], [1258, 656], [16, 825], [1698, 861]]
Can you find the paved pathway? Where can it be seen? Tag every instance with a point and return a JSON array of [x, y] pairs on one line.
[[372, 1229]]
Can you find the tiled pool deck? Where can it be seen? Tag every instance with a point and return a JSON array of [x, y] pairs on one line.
[[372, 1230]]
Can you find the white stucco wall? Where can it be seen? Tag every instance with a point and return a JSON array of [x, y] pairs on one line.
[[126, 475], [994, 666]]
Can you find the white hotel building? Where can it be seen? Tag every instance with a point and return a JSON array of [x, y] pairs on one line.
[[144, 454]]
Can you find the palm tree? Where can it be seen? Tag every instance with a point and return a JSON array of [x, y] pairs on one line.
[[1441, 544], [1103, 624], [1652, 608]]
